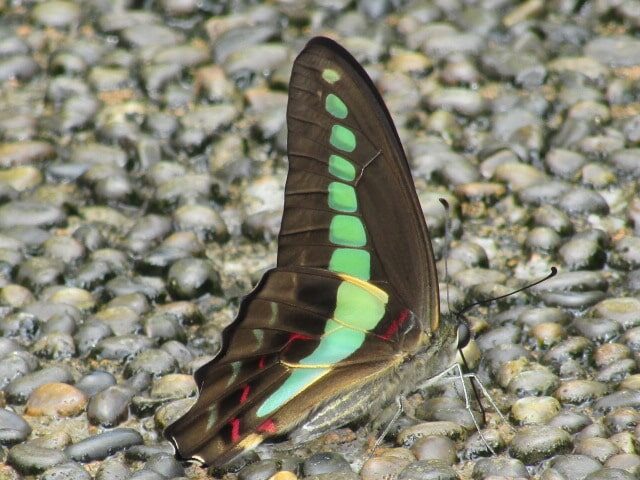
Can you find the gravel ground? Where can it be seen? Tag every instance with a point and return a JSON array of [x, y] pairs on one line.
[[142, 155]]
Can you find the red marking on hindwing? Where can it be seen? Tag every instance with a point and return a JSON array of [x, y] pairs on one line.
[[268, 426], [262, 362], [298, 336], [245, 393], [393, 328], [235, 429]]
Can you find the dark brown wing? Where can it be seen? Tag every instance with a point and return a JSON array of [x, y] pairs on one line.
[[335, 111]]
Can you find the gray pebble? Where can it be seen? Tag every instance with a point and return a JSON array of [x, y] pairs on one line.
[[29, 459], [428, 470], [610, 474], [574, 467], [95, 382], [104, 444], [324, 462], [66, 471], [13, 428], [18, 390], [499, 466], [113, 469], [537, 442], [153, 361]]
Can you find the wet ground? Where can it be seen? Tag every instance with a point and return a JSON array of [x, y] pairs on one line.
[[142, 155]]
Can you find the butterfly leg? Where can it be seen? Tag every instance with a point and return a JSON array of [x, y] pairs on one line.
[[487, 395], [461, 376]]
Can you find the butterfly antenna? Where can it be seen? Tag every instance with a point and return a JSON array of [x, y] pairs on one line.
[[447, 241], [461, 313]]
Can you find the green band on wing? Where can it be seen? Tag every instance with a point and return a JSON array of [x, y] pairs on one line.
[[351, 261], [296, 382], [335, 106], [342, 197], [342, 168], [342, 138], [347, 231], [330, 75], [335, 346], [357, 307]]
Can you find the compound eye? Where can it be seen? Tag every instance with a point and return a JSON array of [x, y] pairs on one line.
[[464, 335]]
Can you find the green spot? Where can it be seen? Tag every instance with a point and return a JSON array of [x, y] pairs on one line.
[[348, 231], [213, 416], [330, 75], [235, 370], [342, 168], [335, 106], [335, 346], [342, 138], [342, 197], [357, 307], [351, 261], [294, 384]]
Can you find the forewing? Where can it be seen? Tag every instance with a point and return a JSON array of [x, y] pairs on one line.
[[350, 201]]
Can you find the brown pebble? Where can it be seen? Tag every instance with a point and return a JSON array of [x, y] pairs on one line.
[[56, 399], [284, 475], [435, 448], [548, 333], [383, 467], [608, 353]]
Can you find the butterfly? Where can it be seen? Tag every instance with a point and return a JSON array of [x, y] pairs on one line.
[[349, 319]]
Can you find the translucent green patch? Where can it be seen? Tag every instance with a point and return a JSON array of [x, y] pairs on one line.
[[342, 168], [352, 261], [347, 231], [330, 75], [342, 197], [342, 138], [296, 382], [357, 307], [335, 106], [335, 345]]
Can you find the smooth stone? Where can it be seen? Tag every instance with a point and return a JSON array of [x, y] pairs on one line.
[[113, 469], [597, 329], [323, 463], [623, 310], [534, 443], [29, 459], [435, 448], [580, 391], [497, 467], [582, 254], [66, 471], [574, 467], [110, 406], [553, 218], [122, 347], [191, 277], [610, 474], [533, 383], [166, 465], [19, 390], [571, 422], [95, 382], [408, 436], [56, 399], [153, 361], [623, 398], [55, 346], [534, 410], [609, 353], [476, 446], [626, 254], [582, 201], [100, 446], [598, 448], [90, 334], [621, 419], [629, 462], [548, 334], [428, 470], [13, 428], [543, 239]]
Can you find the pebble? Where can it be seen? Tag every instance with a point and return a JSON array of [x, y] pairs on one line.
[[104, 444], [323, 463], [573, 466], [30, 460], [537, 442], [534, 410], [56, 399], [13, 428], [19, 390], [428, 470], [435, 448], [498, 467]]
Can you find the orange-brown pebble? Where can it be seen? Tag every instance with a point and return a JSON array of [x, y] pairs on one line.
[[548, 333], [284, 475], [56, 399], [608, 353], [383, 467]]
